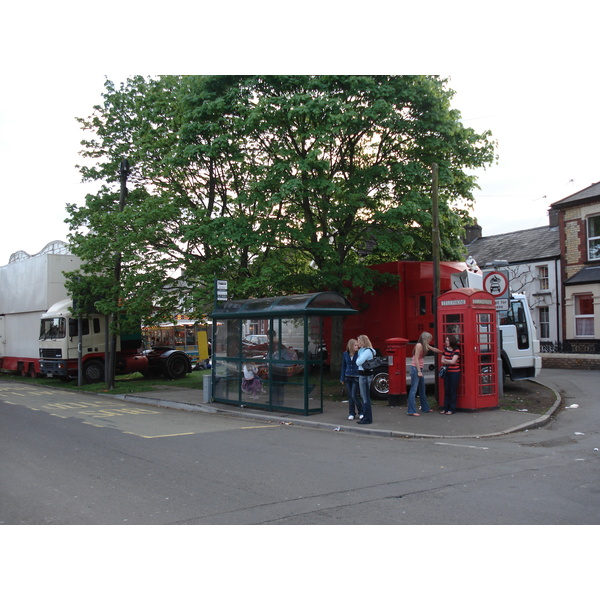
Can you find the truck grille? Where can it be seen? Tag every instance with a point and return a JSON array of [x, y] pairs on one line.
[[50, 353]]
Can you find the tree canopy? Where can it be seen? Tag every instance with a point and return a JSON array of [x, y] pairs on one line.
[[278, 184]]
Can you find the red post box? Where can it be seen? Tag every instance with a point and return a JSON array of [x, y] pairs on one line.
[[396, 350], [470, 315]]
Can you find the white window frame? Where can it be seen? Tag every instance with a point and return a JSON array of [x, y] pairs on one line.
[[583, 322], [543, 278], [593, 255], [544, 321]]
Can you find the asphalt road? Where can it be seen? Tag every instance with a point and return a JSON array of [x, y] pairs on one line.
[[69, 458]]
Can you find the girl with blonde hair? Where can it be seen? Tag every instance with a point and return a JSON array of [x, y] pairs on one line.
[[349, 378], [365, 376], [417, 379]]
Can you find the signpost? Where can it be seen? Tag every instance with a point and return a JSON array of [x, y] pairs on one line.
[[496, 283]]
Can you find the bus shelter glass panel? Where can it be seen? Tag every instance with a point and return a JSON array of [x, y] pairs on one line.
[[226, 360]]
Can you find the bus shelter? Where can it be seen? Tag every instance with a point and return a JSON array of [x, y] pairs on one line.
[[269, 352]]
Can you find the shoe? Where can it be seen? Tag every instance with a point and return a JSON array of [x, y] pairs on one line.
[[449, 412], [361, 416], [426, 411], [350, 417], [413, 414], [363, 422], [442, 412]]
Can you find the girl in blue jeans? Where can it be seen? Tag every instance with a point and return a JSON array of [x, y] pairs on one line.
[[349, 377], [365, 352], [417, 379]]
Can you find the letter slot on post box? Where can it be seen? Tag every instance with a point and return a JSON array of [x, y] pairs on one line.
[[396, 351], [470, 315]]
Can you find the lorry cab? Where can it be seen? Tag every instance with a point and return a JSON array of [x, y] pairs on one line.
[[58, 329], [518, 340]]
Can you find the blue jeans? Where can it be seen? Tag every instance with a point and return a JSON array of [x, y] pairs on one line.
[[364, 381], [354, 403], [417, 384], [450, 390]]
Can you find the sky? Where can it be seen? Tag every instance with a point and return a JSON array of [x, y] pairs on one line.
[[527, 73]]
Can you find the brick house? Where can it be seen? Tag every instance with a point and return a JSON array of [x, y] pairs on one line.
[[534, 258], [579, 226]]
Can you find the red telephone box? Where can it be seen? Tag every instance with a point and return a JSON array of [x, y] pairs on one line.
[[470, 315]]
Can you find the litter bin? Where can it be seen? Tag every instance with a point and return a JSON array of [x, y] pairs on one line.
[[206, 389]]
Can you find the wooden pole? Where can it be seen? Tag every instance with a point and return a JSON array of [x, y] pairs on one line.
[[435, 244], [111, 366]]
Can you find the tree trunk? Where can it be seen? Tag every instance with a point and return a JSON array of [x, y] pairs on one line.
[[337, 344]]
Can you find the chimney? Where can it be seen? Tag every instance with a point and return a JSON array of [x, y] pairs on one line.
[[472, 233]]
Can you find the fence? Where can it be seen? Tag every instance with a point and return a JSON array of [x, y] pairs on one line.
[[571, 347]]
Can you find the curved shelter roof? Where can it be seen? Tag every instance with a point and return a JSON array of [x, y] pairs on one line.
[[320, 303]]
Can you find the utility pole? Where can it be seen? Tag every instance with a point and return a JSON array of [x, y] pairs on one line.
[[124, 171], [435, 244]]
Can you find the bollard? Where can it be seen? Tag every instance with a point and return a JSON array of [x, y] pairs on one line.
[[207, 388]]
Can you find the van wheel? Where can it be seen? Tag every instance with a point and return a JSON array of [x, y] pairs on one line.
[[93, 371]]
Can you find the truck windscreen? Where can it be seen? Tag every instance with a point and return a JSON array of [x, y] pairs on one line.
[[53, 328]]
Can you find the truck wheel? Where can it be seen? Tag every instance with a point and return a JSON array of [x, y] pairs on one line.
[[177, 366], [380, 386], [93, 371]]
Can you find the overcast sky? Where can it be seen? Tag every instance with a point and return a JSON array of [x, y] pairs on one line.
[[528, 75]]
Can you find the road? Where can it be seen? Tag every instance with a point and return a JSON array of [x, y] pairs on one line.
[[71, 458]]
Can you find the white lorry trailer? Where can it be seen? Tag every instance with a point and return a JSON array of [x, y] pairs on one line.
[[27, 288]]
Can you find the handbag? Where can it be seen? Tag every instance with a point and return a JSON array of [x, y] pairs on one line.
[[442, 372], [370, 364]]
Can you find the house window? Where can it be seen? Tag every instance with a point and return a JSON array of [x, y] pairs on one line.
[[584, 315], [542, 277], [593, 224], [544, 322]]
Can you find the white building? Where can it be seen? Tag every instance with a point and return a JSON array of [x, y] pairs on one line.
[[533, 257]]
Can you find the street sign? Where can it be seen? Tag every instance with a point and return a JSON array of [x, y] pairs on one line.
[[221, 291], [496, 283], [501, 303]]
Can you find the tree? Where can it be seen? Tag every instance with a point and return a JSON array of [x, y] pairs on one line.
[[279, 184], [345, 164]]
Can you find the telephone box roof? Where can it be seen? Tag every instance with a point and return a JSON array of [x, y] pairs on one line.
[[320, 303]]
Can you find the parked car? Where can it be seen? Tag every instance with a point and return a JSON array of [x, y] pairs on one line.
[[255, 347], [255, 339]]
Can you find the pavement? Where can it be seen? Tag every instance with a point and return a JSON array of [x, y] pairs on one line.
[[392, 421]]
